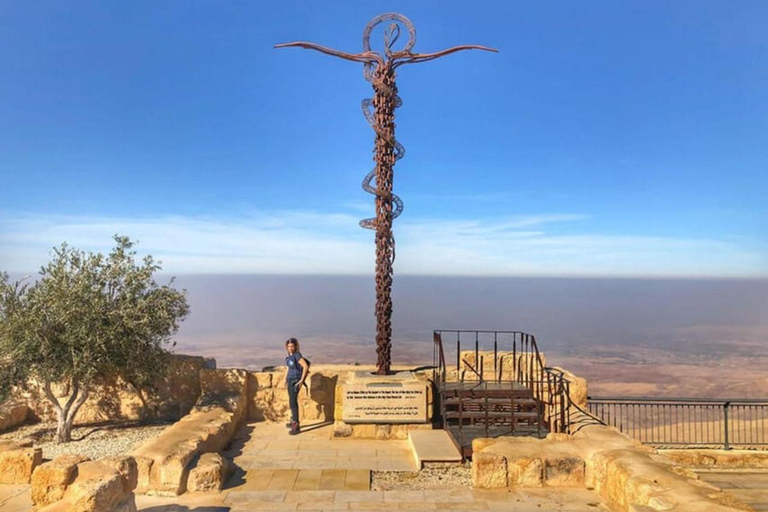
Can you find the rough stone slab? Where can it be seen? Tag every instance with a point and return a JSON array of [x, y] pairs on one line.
[[97, 488], [433, 446], [50, 480], [16, 466], [209, 474]]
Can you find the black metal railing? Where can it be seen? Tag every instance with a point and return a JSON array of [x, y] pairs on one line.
[[737, 423], [513, 360]]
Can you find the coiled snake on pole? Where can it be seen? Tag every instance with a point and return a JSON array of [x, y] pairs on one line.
[[379, 70]]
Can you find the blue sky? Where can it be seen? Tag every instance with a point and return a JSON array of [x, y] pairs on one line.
[[606, 138]]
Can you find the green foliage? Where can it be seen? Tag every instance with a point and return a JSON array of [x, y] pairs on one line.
[[88, 317]]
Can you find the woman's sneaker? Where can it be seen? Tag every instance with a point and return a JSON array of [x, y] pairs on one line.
[[294, 429]]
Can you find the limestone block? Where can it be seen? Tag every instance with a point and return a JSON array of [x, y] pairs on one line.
[[564, 472], [260, 380], [557, 436], [489, 471], [97, 488], [126, 467], [341, 429], [13, 414], [479, 443], [16, 466], [525, 472], [144, 470], [718, 458], [210, 473], [50, 480], [226, 388]]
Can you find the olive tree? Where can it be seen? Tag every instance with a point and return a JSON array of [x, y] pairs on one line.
[[88, 318]]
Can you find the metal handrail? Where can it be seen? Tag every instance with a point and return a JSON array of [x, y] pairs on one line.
[[665, 421]]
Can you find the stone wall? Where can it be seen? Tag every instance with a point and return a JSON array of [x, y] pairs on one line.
[[172, 398], [506, 364], [269, 396]]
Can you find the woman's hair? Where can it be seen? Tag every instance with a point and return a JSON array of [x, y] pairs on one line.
[[294, 341]]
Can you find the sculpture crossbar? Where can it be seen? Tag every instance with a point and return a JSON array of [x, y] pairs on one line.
[[379, 70]]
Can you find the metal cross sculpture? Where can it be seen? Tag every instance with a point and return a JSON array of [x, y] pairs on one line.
[[379, 70]]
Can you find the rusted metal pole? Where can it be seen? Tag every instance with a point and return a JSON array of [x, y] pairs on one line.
[[379, 69]]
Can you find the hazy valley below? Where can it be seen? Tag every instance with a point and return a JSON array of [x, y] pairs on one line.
[[626, 336]]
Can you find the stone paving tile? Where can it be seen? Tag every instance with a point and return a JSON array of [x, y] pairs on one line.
[[256, 480], [255, 496], [360, 496], [308, 480], [357, 480], [333, 479], [320, 497], [15, 498], [389, 507], [283, 479], [399, 496]]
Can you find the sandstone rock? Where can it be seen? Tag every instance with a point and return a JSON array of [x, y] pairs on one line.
[[144, 470], [97, 488], [126, 467], [13, 414], [489, 471], [525, 472], [341, 429], [558, 437], [564, 472], [177, 446], [210, 473], [16, 466], [480, 443], [50, 480]]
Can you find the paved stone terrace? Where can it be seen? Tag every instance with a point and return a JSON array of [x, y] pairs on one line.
[[747, 485], [312, 471]]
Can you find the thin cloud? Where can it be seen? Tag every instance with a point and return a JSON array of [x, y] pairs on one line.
[[306, 242]]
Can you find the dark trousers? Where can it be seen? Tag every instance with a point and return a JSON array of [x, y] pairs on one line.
[[293, 398]]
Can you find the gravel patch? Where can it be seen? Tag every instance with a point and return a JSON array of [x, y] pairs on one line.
[[94, 441], [436, 476]]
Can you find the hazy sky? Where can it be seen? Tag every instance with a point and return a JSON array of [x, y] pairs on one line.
[[606, 137]]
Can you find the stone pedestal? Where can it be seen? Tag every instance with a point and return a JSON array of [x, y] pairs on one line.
[[382, 406]]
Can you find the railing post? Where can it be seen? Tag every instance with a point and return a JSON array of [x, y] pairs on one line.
[[725, 418]]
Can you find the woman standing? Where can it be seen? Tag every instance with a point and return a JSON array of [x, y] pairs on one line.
[[294, 379]]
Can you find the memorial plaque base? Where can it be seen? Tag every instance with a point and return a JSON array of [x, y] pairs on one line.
[[383, 406]]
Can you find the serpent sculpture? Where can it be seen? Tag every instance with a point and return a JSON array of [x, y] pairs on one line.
[[379, 70]]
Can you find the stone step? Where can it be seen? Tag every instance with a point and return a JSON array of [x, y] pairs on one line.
[[433, 446], [304, 480]]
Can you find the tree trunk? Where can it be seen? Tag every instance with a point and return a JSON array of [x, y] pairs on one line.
[[66, 413]]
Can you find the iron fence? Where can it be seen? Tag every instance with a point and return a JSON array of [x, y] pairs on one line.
[[695, 422]]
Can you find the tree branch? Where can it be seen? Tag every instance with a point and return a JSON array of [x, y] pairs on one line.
[[76, 405], [49, 395]]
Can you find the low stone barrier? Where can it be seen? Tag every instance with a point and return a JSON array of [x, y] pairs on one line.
[[628, 476], [18, 461], [725, 459], [75, 484], [165, 462]]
